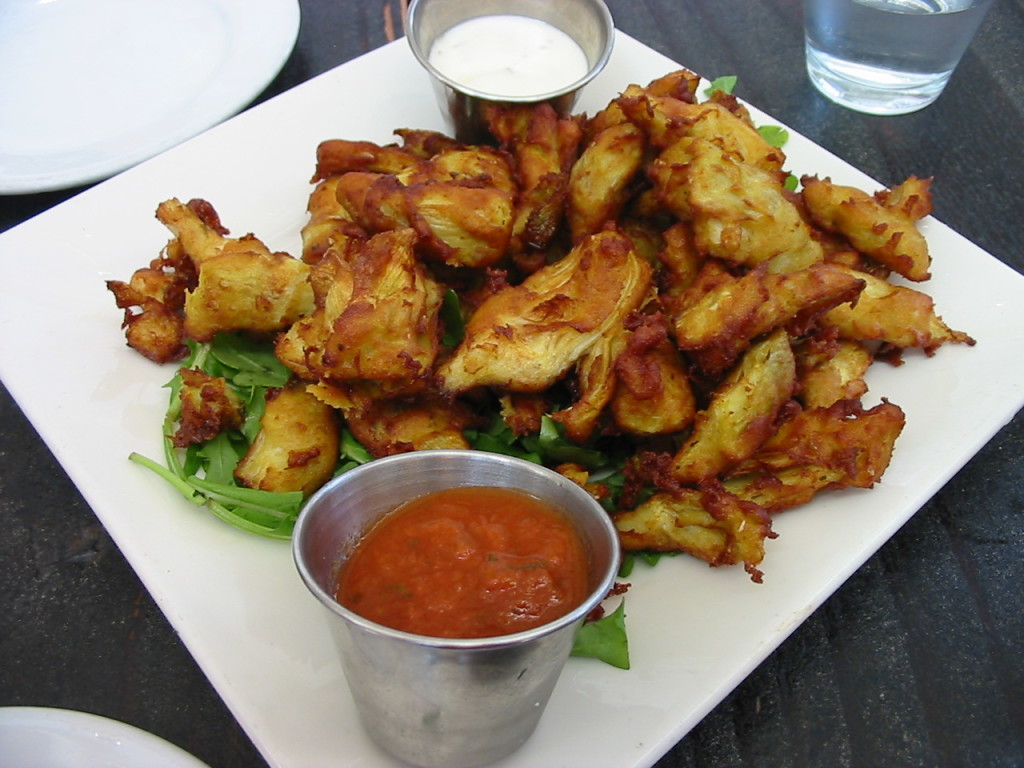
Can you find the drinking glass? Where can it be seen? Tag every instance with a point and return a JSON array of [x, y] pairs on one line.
[[887, 57]]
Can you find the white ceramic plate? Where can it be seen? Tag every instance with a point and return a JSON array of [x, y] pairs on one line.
[[91, 88], [39, 737], [236, 599]]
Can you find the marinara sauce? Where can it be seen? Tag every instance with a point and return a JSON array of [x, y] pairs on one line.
[[467, 562]]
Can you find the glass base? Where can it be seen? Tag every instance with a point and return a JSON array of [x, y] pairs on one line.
[[872, 90]]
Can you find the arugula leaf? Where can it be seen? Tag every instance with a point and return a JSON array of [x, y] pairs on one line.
[[250, 363], [605, 639], [775, 135], [453, 319], [557, 447], [726, 84]]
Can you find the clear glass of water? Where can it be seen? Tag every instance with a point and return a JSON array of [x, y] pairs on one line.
[[887, 57]]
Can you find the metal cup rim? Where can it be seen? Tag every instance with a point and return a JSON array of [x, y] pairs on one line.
[[596, 596], [599, 63]]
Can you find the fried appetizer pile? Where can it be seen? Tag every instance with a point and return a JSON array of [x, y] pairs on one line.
[[651, 279]]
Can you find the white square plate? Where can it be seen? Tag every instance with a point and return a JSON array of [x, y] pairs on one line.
[[236, 599]]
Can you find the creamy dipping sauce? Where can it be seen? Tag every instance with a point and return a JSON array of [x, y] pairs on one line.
[[509, 56]]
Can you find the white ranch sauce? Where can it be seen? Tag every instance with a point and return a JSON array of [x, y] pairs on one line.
[[508, 55]]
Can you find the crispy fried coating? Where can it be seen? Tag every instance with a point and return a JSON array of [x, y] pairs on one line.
[[710, 523], [830, 448], [242, 286], [152, 328], [338, 156], [741, 213], [459, 224], [831, 370], [296, 448], [389, 425], [717, 327], [844, 436], [526, 337], [742, 411], [523, 412], [666, 120], [894, 314], [680, 84], [329, 225], [599, 182], [544, 146], [208, 407], [653, 393], [913, 197], [885, 233], [380, 319], [595, 382]]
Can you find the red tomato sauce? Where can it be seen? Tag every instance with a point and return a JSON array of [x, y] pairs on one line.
[[467, 562]]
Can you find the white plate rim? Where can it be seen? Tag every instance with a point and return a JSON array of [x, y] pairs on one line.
[[36, 737], [230, 87]]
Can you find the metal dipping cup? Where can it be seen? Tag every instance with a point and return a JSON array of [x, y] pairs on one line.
[[588, 22], [434, 701]]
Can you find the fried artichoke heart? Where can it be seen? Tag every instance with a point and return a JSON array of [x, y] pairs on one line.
[[242, 286], [543, 146], [296, 448], [379, 321], [709, 523], [836, 447], [741, 213], [599, 182], [721, 323], [208, 407], [461, 223], [894, 314], [887, 233], [389, 425], [742, 412], [526, 337]]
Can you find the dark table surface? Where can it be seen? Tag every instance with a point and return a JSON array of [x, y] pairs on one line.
[[918, 660]]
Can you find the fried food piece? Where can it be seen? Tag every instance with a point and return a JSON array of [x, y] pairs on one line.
[[710, 523], [242, 286], [681, 263], [382, 314], [595, 382], [741, 213], [721, 324], [666, 120], [742, 411], [886, 234], [338, 156], [208, 407], [523, 412], [836, 447], [832, 371], [330, 225], [544, 146], [600, 179], [462, 225], [154, 300], [653, 395], [680, 84], [913, 197], [152, 328], [894, 314], [526, 337], [296, 448], [390, 425]]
